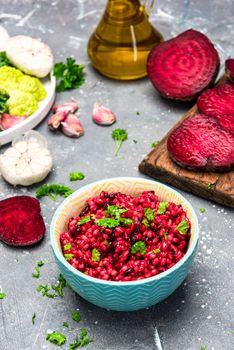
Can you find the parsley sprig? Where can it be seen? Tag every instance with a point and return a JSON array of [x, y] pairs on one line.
[[75, 175], [76, 316], [119, 136], [69, 75], [53, 190], [56, 338], [47, 290], [80, 341]]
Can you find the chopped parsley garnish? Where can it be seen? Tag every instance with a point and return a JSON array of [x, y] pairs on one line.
[[137, 113], [154, 144], [106, 242], [4, 60], [40, 263], [65, 324], [156, 251], [2, 295], [138, 247], [96, 256], [81, 341], [165, 234], [68, 256], [203, 348], [56, 338], [33, 318], [209, 186], [149, 214], [183, 227], [112, 222], [53, 190], [146, 223], [84, 220], [74, 176], [3, 102], [57, 288], [69, 75], [202, 210], [135, 141], [67, 246], [113, 210], [76, 316], [45, 291], [37, 273], [119, 136], [162, 208]]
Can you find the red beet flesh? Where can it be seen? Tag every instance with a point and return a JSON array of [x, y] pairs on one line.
[[21, 223], [182, 67], [219, 104], [229, 68], [200, 143]]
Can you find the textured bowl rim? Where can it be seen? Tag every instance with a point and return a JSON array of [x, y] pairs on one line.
[[60, 257]]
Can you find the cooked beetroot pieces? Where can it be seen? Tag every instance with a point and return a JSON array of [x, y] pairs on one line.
[[219, 104], [182, 67], [229, 68], [200, 143], [21, 223]]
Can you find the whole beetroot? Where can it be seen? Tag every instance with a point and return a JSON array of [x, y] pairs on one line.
[[182, 67]]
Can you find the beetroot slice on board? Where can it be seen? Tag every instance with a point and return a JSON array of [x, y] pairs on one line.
[[182, 67], [200, 143], [229, 68], [219, 104], [21, 223]]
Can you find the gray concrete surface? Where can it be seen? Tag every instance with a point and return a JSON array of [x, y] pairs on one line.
[[200, 312]]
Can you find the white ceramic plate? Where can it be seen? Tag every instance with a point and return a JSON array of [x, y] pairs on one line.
[[29, 123]]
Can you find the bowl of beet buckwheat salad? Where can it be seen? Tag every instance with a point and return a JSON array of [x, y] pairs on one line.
[[124, 243]]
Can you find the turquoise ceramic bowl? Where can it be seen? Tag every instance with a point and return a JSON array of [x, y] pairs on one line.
[[122, 296]]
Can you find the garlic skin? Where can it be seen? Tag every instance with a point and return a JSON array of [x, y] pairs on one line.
[[27, 161], [7, 121], [4, 38], [72, 127], [55, 120], [69, 107], [30, 55], [103, 115]]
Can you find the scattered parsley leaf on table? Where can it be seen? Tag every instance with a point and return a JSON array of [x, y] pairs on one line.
[[69, 75], [76, 316], [119, 136], [53, 190], [2, 295], [154, 144], [75, 175], [56, 338], [4, 60], [33, 318], [203, 348], [65, 324], [37, 273], [81, 341], [202, 210]]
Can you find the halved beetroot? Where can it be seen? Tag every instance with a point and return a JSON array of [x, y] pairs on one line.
[[21, 223], [229, 68], [182, 67], [200, 143], [219, 104]]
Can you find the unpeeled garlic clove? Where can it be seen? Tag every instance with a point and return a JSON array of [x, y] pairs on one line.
[[68, 107], [7, 120], [103, 115], [71, 126], [55, 120]]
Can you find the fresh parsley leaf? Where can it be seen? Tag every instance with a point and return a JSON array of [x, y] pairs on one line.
[[53, 190], [138, 247], [137, 113], [126, 221], [3, 103], [113, 222], [162, 208], [65, 324], [4, 60], [36, 273], [69, 75], [40, 263], [146, 223], [96, 256], [67, 246], [119, 136], [209, 186], [113, 210], [68, 256], [84, 220], [74, 176], [2, 295], [56, 338], [33, 318], [81, 341], [76, 316], [45, 289], [156, 251], [183, 227], [135, 141], [149, 214], [202, 210], [203, 348], [61, 284], [154, 144]]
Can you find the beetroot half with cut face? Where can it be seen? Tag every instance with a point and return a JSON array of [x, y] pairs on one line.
[[229, 68], [200, 143], [21, 223], [219, 104], [182, 67]]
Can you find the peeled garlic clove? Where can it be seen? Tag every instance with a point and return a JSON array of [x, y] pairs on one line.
[[28, 160], [68, 107], [103, 115], [7, 120], [72, 127], [55, 120]]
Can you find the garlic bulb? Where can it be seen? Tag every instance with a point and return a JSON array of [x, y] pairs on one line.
[[27, 161], [30, 55]]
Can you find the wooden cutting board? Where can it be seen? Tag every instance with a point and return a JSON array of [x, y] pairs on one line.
[[159, 165]]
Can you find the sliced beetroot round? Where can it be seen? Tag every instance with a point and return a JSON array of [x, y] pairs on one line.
[[219, 104], [229, 68], [21, 223], [200, 143], [182, 67]]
